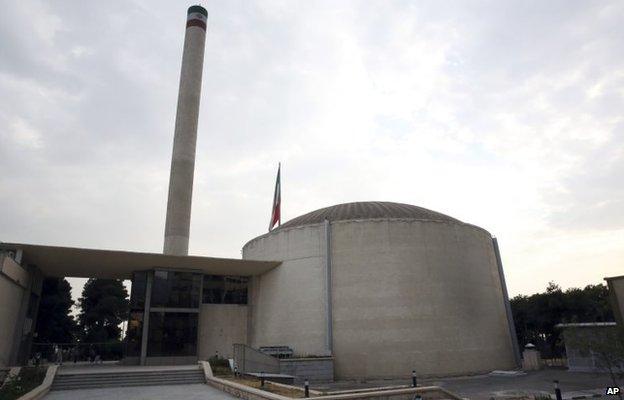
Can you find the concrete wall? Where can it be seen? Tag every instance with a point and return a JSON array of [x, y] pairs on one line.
[[248, 359], [220, 326], [313, 369], [13, 286], [286, 303], [580, 361], [416, 295], [407, 294], [616, 294]]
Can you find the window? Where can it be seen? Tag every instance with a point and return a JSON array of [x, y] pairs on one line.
[[175, 289], [137, 294], [172, 334], [225, 289], [134, 333]]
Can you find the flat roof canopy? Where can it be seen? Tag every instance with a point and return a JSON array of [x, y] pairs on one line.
[[114, 264]]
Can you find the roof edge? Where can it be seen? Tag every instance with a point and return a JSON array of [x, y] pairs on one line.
[[455, 222]]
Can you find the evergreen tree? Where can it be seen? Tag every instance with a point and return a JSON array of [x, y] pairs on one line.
[[103, 307], [55, 324]]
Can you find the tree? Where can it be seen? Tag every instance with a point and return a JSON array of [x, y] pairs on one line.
[[103, 307], [535, 316], [55, 324]]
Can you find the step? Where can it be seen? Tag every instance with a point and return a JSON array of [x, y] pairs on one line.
[[133, 374], [130, 378], [120, 384], [193, 378], [123, 376], [142, 373], [125, 384]]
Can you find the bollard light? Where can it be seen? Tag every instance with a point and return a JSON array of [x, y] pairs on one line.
[[413, 378], [306, 384], [557, 390], [261, 379]]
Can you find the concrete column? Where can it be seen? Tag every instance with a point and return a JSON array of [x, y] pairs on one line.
[[146, 314], [329, 339], [185, 137]]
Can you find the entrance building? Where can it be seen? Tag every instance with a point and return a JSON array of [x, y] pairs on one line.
[[165, 312], [174, 300]]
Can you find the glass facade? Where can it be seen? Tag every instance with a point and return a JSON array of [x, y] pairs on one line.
[[172, 334], [220, 289], [134, 333], [174, 309], [139, 286], [172, 289]]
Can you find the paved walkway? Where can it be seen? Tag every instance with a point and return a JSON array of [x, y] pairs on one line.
[[484, 387], [189, 392], [572, 384]]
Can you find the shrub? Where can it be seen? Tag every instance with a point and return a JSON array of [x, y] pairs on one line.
[[28, 379]]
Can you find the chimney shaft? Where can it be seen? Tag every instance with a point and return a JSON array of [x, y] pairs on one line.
[[178, 221]]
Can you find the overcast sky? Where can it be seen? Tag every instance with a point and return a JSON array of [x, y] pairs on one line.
[[507, 115]]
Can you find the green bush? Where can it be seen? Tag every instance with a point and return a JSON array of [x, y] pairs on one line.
[[28, 379], [220, 366]]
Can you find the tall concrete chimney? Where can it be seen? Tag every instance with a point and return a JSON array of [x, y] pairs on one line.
[[185, 137]]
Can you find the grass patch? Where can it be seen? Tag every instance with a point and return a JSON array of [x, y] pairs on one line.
[[220, 367], [28, 379], [268, 387]]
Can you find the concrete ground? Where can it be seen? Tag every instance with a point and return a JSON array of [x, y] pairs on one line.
[[188, 392], [484, 387], [572, 384]]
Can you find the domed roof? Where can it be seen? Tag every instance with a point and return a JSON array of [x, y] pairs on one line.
[[367, 210]]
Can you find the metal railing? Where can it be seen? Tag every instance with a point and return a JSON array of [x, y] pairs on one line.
[[59, 353]]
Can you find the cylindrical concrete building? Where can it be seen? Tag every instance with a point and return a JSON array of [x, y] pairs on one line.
[[385, 288], [178, 221]]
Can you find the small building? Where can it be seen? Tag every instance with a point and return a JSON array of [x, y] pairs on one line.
[[598, 332], [585, 361], [616, 297]]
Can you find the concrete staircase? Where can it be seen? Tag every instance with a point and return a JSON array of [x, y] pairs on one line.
[[68, 381]]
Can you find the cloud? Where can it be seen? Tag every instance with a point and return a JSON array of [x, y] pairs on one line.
[[506, 115]]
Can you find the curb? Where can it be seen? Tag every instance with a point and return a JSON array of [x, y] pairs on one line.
[[43, 389]]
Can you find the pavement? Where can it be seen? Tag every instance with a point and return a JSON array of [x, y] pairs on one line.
[[572, 384], [484, 387], [188, 392]]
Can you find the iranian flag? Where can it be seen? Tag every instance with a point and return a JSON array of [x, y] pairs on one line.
[[277, 202]]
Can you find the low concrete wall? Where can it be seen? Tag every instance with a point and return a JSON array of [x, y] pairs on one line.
[[40, 391], [248, 359], [313, 369], [249, 393]]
